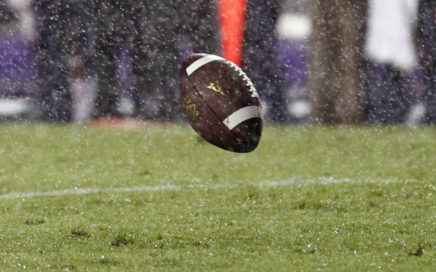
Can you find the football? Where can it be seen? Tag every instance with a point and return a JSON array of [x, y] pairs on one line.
[[220, 102]]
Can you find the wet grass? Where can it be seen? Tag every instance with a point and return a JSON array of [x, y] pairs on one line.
[[382, 218]]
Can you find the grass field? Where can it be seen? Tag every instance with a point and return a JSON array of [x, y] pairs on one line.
[[158, 199]]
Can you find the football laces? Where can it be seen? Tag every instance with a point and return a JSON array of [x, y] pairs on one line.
[[245, 78]]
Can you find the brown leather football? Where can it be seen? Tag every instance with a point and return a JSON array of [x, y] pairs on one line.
[[220, 102]]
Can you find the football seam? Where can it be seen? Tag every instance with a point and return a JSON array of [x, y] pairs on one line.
[[232, 132], [204, 101], [210, 109], [246, 80]]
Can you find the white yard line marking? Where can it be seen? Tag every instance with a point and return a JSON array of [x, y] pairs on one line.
[[90, 190], [294, 181]]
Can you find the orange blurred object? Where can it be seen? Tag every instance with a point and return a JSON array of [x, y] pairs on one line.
[[232, 18]]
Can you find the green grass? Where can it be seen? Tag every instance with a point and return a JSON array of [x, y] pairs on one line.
[[221, 218]]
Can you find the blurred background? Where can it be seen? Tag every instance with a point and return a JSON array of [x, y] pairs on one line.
[[312, 62]]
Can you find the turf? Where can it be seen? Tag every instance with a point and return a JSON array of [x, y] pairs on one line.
[[314, 198]]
